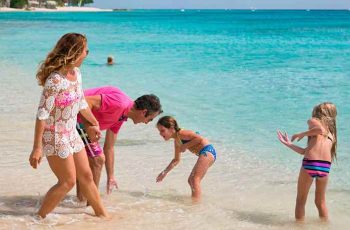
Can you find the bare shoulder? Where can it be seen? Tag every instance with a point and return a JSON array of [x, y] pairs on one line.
[[186, 134], [316, 123]]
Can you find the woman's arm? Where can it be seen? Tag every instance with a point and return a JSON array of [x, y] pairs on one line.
[[91, 124], [88, 118], [36, 155], [89, 121], [172, 164]]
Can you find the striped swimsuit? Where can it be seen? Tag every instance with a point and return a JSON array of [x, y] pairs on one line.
[[316, 168]]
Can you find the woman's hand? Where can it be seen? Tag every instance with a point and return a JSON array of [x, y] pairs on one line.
[[298, 136], [161, 176], [284, 139], [35, 157], [94, 133]]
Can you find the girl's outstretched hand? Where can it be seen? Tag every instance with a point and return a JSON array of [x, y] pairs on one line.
[[298, 136], [35, 157], [283, 137], [161, 176]]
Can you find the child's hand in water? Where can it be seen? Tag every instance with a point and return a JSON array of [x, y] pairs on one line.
[[284, 139], [161, 176], [35, 157], [298, 136]]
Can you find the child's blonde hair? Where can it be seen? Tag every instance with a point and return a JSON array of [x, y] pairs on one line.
[[168, 122], [326, 112], [63, 56]]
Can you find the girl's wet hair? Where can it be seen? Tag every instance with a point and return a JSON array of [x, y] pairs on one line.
[[63, 56], [168, 122], [326, 112]]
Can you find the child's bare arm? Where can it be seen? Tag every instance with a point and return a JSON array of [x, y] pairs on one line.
[[297, 149], [284, 139], [171, 165], [315, 128]]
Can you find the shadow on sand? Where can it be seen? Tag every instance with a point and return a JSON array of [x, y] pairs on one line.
[[262, 218]]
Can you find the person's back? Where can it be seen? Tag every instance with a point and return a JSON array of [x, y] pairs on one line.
[[195, 148], [320, 146], [113, 104]]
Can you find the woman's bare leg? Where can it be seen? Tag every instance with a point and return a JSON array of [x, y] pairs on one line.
[[87, 185], [64, 170]]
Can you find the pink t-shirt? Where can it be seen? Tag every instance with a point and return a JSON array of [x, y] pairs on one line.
[[115, 105]]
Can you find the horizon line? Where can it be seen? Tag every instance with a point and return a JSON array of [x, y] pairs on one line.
[[320, 9]]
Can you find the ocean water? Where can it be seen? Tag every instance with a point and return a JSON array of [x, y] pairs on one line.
[[234, 76]]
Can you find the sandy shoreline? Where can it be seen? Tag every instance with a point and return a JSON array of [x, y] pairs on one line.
[[59, 9]]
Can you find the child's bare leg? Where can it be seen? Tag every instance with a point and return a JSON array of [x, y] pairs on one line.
[[64, 170], [320, 197], [88, 187], [197, 174], [304, 184]]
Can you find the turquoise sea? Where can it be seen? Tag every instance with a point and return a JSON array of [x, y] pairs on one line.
[[233, 75]]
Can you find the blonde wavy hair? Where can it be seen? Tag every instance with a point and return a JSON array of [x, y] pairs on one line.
[[326, 112], [63, 56]]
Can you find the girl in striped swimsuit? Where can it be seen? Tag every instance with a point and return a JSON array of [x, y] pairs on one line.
[[318, 155]]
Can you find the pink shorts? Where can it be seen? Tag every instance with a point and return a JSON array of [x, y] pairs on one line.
[[93, 149]]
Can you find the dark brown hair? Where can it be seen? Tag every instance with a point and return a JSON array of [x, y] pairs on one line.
[[149, 102]]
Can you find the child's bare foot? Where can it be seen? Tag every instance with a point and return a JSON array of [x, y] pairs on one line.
[[196, 200], [300, 220]]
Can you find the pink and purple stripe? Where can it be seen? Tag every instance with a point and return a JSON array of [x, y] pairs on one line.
[[316, 168]]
